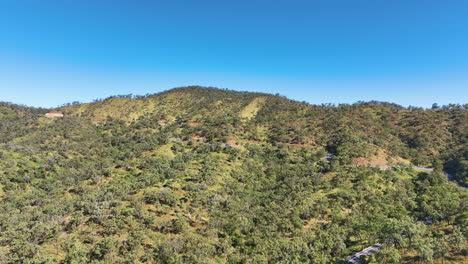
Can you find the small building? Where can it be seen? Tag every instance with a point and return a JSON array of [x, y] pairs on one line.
[[53, 114]]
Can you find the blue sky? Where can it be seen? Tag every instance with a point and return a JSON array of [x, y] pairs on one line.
[[339, 51]]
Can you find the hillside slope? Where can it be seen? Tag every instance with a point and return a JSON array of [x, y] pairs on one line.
[[424, 137], [202, 175]]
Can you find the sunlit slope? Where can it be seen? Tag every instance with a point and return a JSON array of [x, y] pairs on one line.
[[183, 104], [202, 175], [360, 130]]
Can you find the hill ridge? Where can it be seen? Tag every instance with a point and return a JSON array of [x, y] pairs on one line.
[[198, 175]]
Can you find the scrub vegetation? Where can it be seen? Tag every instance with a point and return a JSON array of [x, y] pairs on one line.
[[204, 175]]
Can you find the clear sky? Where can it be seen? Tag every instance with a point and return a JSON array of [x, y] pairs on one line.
[[411, 52]]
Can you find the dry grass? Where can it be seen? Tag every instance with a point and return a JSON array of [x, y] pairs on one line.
[[252, 108]]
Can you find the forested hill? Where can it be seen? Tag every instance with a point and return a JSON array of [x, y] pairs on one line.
[[375, 130], [203, 175]]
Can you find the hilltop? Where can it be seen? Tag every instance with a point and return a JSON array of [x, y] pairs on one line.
[[381, 130], [204, 175], [188, 103]]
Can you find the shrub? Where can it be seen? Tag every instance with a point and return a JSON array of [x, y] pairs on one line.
[[163, 196]]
